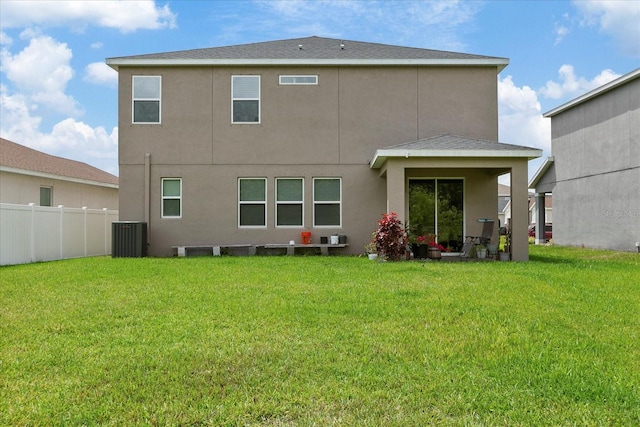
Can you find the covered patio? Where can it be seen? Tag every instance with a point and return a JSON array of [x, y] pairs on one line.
[[460, 175]]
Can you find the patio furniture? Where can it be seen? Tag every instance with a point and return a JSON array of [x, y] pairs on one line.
[[487, 232], [465, 252]]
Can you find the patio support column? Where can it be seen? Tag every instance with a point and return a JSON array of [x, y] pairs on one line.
[[519, 211], [540, 219], [395, 189]]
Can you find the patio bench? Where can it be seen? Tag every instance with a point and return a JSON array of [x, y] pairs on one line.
[[182, 250], [291, 249]]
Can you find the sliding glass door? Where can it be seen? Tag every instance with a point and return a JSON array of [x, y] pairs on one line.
[[436, 206]]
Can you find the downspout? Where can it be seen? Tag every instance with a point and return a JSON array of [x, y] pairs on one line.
[[147, 188]]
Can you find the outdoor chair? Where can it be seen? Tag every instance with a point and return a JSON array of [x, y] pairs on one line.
[[487, 233], [465, 252]]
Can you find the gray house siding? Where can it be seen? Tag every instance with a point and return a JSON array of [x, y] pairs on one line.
[[596, 147]]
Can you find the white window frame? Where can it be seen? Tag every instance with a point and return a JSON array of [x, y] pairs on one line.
[[322, 202], [290, 202], [247, 99], [163, 198], [298, 79], [134, 99], [253, 202]]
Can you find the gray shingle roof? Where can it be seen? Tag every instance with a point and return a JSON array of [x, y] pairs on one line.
[[16, 156], [307, 50], [453, 146], [453, 142]]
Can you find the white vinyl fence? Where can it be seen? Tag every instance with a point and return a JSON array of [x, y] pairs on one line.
[[30, 233]]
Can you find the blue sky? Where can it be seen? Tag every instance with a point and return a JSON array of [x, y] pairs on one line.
[[58, 96]]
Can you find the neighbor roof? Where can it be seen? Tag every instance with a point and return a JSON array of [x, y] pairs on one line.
[[453, 146], [17, 158], [309, 51], [596, 92]]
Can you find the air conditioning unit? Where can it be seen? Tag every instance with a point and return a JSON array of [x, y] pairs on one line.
[[128, 239]]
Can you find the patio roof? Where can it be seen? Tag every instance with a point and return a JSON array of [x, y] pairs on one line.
[[453, 146]]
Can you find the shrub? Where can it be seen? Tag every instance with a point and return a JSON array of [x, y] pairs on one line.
[[390, 238]]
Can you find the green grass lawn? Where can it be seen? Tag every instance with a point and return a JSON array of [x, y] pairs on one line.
[[279, 341]]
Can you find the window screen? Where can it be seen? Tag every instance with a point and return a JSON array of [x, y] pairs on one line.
[[289, 202], [146, 99], [298, 80], [245, 92], [327, 202], [171, 197], [252, 202]]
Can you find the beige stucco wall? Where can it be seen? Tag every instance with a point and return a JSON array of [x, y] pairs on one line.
[[329, 130], [24, 189]]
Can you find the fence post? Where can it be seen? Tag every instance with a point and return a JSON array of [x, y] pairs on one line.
[[61, 230], [32, 233], [84, 209]]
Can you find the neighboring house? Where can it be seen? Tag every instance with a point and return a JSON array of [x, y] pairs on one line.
[[594, 171], [548, 209], [30, 176], [255, 143], [504, 196]]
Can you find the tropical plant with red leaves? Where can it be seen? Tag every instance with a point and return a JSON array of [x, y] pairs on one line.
[[390, 238]]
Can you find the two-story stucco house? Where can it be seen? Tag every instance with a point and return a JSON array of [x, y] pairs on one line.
[[594, 172], [255, 143]]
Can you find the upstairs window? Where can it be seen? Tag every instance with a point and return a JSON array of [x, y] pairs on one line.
[[146, 99], [245, 94], [289, 202], [327, 202], [171, 197], [252, 202], [299, 80]]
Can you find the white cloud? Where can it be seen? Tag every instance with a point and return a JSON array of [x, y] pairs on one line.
[[433, 24], [520, 116], [16, 116], [561, 32], [5, 40], [619, 19], [69, 138], [41, 70], [35, 87], [126, 16], [100, 73], [520, 121], [571, 85]]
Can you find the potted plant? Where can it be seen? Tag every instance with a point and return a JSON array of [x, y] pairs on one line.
[[481, 251], [390, 238], [420, 244], [492, 249], [372, 252], [435, 250]]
